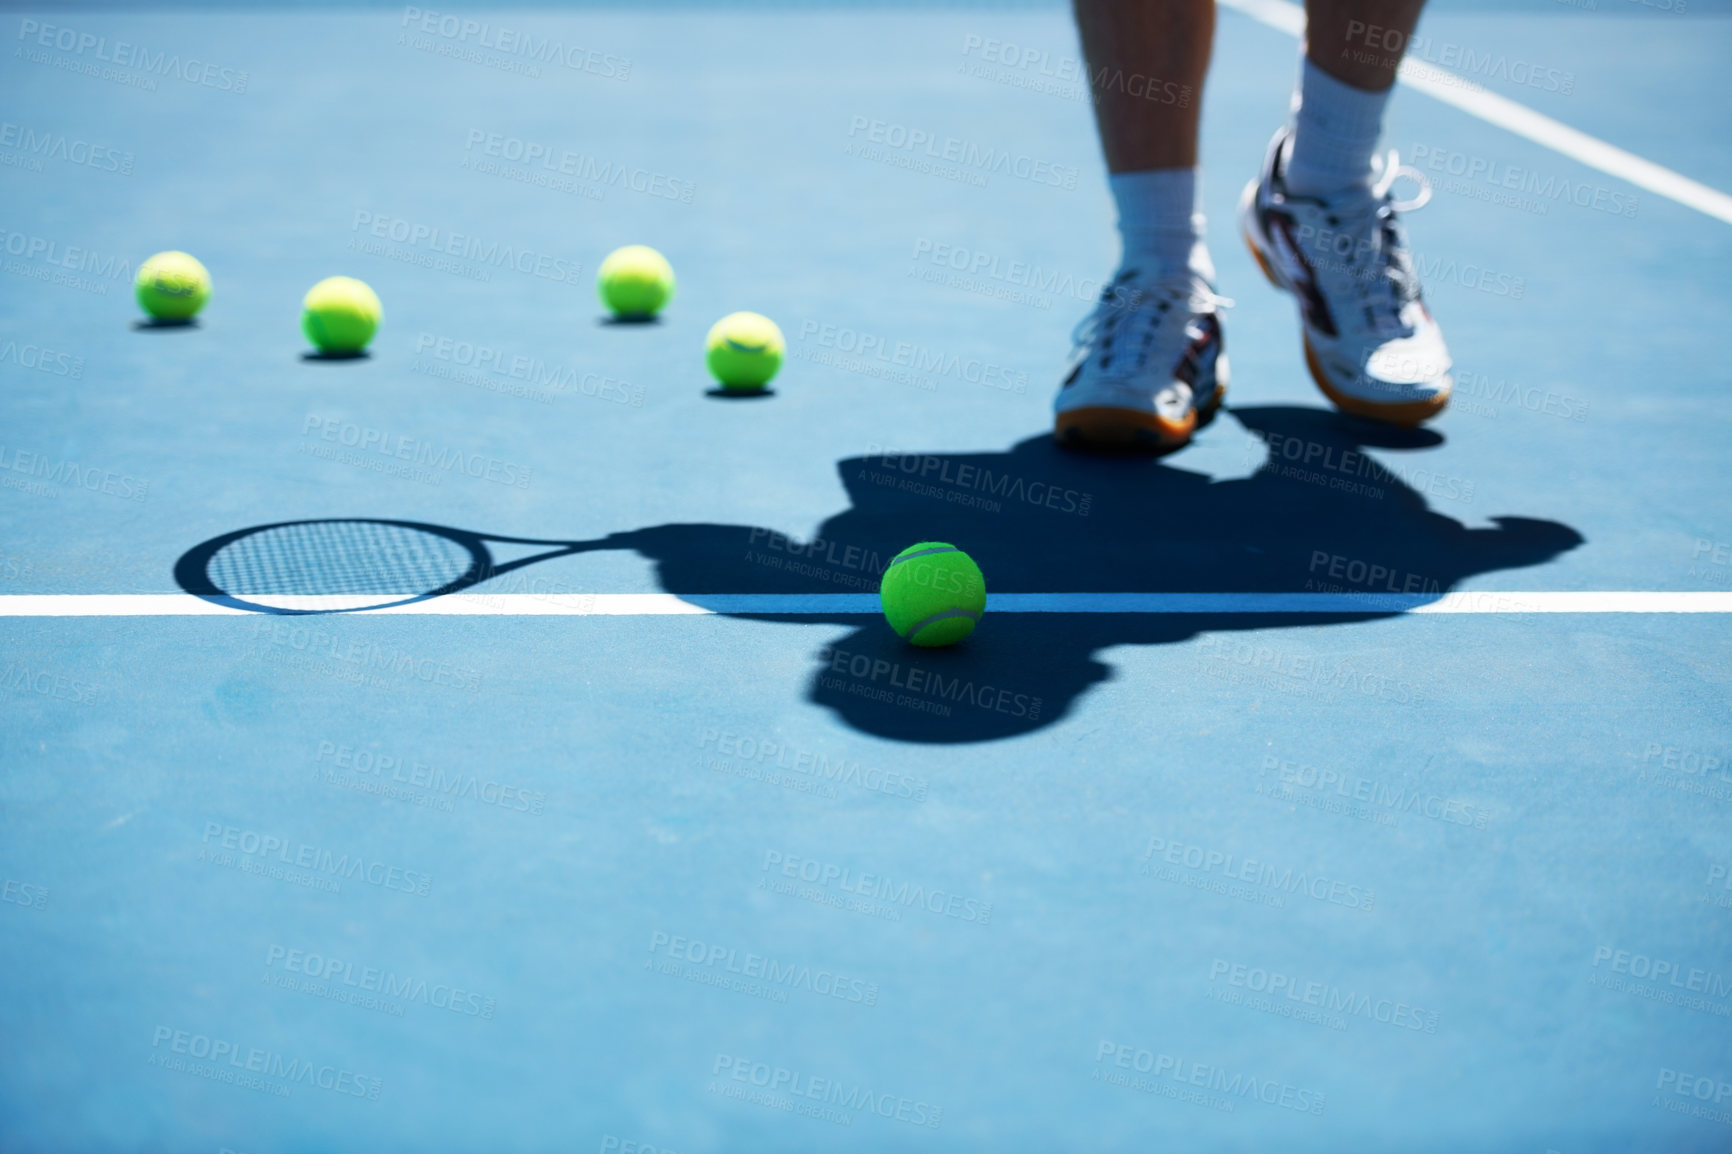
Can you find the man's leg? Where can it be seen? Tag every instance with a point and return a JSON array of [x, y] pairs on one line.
[[1146, 63], [1360, 42], [1352, 48], [1148, 368], [1164, 45]]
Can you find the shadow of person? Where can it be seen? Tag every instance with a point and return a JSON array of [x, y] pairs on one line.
[[1318, 515]]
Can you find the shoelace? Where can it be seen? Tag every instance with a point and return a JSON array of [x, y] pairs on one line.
[[1133, 312], [1389, 170], [1390, 283]]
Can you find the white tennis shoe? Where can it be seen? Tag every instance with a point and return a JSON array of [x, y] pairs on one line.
[[1149, 367], [1370, 342]]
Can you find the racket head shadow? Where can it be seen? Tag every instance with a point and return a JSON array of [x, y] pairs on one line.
[[333, 565]]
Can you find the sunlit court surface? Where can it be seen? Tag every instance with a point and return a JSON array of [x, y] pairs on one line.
[[445, 711]]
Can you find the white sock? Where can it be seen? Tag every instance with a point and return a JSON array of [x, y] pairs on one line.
[[1335, 131], [1159, 224]]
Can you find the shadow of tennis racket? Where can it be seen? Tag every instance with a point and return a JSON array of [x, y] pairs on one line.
[[349, 565]]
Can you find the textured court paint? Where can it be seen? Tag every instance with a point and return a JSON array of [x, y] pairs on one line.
[[1561, 756], [843, 604], [1492, 108]]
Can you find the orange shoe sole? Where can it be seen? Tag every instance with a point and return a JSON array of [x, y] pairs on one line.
[[1407, 414], [1125, 429]]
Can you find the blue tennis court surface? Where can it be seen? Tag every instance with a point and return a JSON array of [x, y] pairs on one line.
[[666, 843]]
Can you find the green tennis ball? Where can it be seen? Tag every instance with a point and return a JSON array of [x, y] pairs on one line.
[[340, 315], [635, 281], [744, 350], [932, 594], [172, 286]]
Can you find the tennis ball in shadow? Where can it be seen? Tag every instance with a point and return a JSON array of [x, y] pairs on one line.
[[933, 594]]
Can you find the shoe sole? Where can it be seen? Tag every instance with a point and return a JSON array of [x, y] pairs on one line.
[[1103, 427], [1407, 414]]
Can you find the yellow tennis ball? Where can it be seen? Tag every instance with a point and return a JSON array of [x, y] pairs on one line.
[[172, 286], [744, 350], [635, 281], [340, 315], [932, 594]]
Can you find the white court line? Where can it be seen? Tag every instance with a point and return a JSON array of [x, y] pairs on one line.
[[1523, 121], [860, 604]]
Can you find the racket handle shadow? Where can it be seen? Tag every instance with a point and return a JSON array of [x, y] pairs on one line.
[[501, 568]]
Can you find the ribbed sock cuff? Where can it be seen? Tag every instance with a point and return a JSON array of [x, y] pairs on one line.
[[1159, 225], [1335, 132]]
